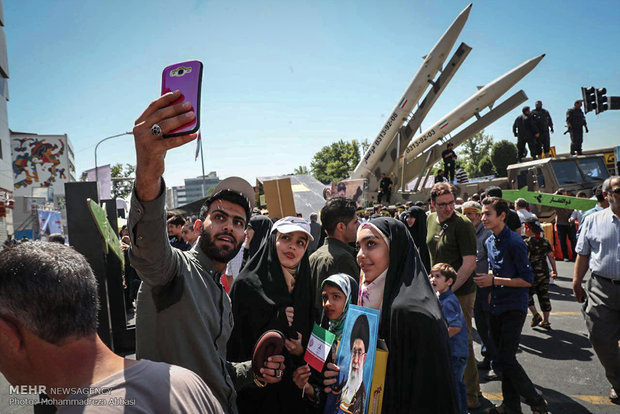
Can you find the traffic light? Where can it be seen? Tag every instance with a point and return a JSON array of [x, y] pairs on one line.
[[589, 99], [601, 100]]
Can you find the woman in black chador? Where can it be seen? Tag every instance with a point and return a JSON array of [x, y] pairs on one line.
[[273, 291], [419, 376]]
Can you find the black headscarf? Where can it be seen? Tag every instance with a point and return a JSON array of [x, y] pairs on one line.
[[259, 296], [418, 233], [262, 228], [419, 361]]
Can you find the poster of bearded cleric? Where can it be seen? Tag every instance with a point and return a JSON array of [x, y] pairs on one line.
[[356, 359]]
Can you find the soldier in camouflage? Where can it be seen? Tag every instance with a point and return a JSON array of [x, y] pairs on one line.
[[539, 249]]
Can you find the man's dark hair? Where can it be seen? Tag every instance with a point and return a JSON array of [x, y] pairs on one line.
[[493, 191], [521, 203], [49, 289], [56, 238], [176, 220], [360, 330], [598, 193], [337, 210], [578, 101], [440, 189], [525, 109], [499, 205], [342, 187], [231, 196]]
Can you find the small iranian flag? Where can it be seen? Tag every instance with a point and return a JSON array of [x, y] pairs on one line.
[[319, 346], [403, 103], [443, 124]]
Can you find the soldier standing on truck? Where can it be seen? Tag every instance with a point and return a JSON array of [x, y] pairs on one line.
[[526, 131], [576, 121], [544, 124]]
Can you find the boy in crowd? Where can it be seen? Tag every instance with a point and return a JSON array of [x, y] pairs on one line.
[[538, 250], [442, 278]]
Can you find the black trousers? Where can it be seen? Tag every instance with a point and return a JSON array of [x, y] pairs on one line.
[[576, 140], [450, 170], [532, 145], [567, 231], [387, 195], [506, 331], [545, 140]]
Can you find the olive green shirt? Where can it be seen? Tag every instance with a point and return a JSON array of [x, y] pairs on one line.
[[449, 241], [331, 258]]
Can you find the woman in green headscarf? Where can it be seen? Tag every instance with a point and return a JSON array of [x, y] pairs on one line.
[[336, 294]]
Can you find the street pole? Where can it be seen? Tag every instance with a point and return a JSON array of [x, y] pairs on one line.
[[202, 160], [96, 147]]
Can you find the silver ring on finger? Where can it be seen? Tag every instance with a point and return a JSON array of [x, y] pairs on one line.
[[156, 130], [278, 373]]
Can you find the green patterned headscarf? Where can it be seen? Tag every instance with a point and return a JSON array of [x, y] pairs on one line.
[[342, 281]]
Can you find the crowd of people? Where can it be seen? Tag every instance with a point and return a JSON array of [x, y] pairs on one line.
[[211, 287]]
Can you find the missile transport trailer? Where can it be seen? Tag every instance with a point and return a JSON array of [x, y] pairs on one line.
[[547, 175]]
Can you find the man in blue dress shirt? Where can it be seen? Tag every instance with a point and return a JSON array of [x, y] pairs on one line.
[[598, 249], [509, 277]]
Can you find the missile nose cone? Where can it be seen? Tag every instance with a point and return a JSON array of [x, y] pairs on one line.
[[466, 10]]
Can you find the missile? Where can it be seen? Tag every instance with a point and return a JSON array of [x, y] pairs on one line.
[[426, 73], [485, 97]]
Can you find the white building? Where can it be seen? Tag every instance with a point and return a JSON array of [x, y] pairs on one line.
[[6, 175], [42, 164], [194, 189]]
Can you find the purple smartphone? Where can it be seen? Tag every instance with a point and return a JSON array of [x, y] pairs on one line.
[[186, 77]]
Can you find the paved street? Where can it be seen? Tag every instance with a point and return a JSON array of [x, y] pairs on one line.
[[560, 362]]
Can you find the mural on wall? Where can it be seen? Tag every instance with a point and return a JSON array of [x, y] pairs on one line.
[[34, 157]]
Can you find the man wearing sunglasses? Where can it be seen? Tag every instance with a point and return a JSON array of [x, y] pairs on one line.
[[598, 249], [451, 239]]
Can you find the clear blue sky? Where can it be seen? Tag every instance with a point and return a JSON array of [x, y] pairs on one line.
[[284, 78]]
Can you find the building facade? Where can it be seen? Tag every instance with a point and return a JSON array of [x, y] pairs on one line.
[[6, 176], [41, 164], [194, 189]]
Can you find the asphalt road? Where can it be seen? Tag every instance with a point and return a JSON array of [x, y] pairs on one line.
[[560, 362]]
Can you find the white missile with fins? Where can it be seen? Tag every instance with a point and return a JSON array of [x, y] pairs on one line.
[[485, 97], [432, 64]]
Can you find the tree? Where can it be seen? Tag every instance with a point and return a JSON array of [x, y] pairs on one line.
[[364, 145], [122, 188], [333, 162], [301, 170], [472, 151], [503, 154], [486, 166]]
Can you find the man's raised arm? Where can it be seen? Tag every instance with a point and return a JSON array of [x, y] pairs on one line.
[[150, 252]]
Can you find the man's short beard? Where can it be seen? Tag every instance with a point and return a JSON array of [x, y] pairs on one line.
[[222, 255]]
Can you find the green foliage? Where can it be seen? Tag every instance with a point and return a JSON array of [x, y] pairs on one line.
[[301, 170], [334, 162], [503, 154], [472, 152], [364, 145], [486, 166], [122, 188]]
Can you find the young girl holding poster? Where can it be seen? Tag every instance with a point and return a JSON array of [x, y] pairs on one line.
[[336, 292]]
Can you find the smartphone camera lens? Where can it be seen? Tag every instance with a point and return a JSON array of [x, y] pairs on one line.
[[181, 71]]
